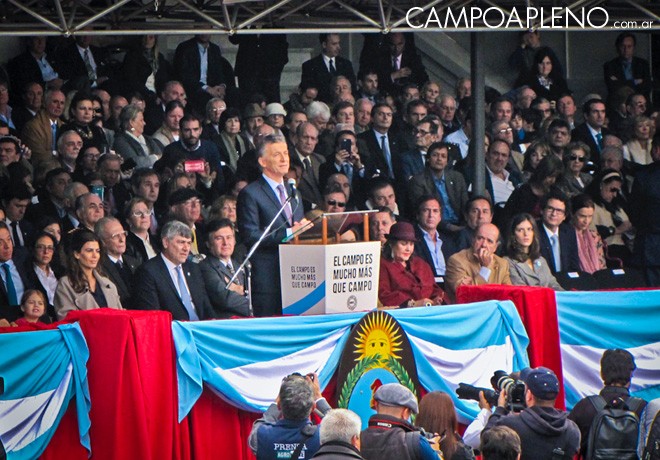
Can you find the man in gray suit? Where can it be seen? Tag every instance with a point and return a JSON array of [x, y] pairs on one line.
[[219, 267]]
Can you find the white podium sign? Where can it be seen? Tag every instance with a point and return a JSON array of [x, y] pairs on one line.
[[334, 278]]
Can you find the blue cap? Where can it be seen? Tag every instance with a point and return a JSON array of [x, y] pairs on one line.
[[541, 381]]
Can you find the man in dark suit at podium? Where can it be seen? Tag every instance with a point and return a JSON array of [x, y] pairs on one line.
[[258, 203], [320, 70]]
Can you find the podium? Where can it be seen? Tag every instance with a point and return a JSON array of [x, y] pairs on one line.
[[332, 267]]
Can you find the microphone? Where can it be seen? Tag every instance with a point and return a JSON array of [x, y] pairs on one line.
[[292, 186]]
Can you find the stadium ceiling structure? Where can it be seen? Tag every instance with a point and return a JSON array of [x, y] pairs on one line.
[[174, 17]]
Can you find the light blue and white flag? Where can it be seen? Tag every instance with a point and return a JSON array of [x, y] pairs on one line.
[[244, 361], [592, 322], [42, 371]]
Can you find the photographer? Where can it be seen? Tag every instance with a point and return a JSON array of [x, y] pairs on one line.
[[545, 432], [390, 436], [286, 424]]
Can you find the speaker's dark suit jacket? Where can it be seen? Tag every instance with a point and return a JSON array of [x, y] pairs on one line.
[[123, 281], [257, 206], [226, 303], [568, 248], [615, 78], [155, 290], [448, 248], [581, 133], [188, 65], [315, 73]]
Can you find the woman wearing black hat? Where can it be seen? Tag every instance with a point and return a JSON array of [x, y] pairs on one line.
[[405, 279]]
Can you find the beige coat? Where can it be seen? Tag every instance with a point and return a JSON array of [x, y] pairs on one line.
[[66, 299], [463, 264]]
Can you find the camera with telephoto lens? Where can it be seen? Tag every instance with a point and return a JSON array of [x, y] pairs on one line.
[[501, 381]]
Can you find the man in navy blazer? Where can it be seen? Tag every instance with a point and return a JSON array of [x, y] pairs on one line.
[[317, 71], [554, 211], [258, 203], [431, 245], [219, 78], [12, 260], [401, 66], [587, 132], [170, 282], [627, 69], [72, 68]]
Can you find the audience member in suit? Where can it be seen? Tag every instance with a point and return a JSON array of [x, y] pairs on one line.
[[592, 131], [426, 132], [380, 147], [51, 199], [248, 164], [218, 269], [34, 65], [320, 70], [401, 66], [131, 142], [310, 162], [565, 258], [218, 81], [526, 265], [478, 264], [145, 69], [347, 169], [32, 96], [381, 193], [115, 263], [258, 203], [434, 247], [627, 69], [38, 132], [270, 51], [71, 194], [154, 112], [141, 243], [85, 286], [115, 194], [16, 200], [12, 267], [79, 64], [42, 272], [448, 187], [170, 282]]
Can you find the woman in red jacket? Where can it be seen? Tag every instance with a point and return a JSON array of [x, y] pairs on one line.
[[405, 279]]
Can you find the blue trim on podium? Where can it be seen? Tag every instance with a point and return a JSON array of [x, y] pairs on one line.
[[307, 302]]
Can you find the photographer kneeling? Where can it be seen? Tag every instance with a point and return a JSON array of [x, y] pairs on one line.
[[545, 433]]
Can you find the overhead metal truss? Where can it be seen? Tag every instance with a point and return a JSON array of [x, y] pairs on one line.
[[173, 17]]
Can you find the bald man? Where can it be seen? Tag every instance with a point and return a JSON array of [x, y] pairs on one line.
[[477, 264]]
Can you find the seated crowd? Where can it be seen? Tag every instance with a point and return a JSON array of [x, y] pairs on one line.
[[124, 190]]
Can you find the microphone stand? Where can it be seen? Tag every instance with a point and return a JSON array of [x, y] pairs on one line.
[[254, 247]]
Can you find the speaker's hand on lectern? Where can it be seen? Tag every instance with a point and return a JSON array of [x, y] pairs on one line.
[[303, 223]]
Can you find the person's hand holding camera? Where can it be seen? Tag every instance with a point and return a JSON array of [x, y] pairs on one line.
[[501, 400], [314, 379], [483, 404]]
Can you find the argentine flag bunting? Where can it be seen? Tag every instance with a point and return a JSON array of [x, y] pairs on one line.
[[592, 322], [244, 361], [42, 372]]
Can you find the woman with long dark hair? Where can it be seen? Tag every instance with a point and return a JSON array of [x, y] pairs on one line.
[[527, 267], [590, 245], [81, 120], [545, 77], [437, 414], [84, 287]]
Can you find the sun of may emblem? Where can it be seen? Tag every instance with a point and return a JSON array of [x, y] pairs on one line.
[[378, 335]]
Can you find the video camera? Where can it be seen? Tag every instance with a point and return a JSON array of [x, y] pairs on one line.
[[501, 381]]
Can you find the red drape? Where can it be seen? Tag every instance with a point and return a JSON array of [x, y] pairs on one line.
[[132, 379], [538, 310]]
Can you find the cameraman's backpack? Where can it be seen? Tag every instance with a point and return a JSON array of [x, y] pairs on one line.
[[614, 431], [652, 449]]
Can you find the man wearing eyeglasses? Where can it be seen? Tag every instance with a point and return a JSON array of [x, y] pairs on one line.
[[557, 238], [118, 266]]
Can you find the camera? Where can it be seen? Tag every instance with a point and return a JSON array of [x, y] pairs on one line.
[[501, 381]]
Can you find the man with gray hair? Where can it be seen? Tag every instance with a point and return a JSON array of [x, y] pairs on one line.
[[118, 266], [170, 282], [285, 430], [340, 435], [318, 113]]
